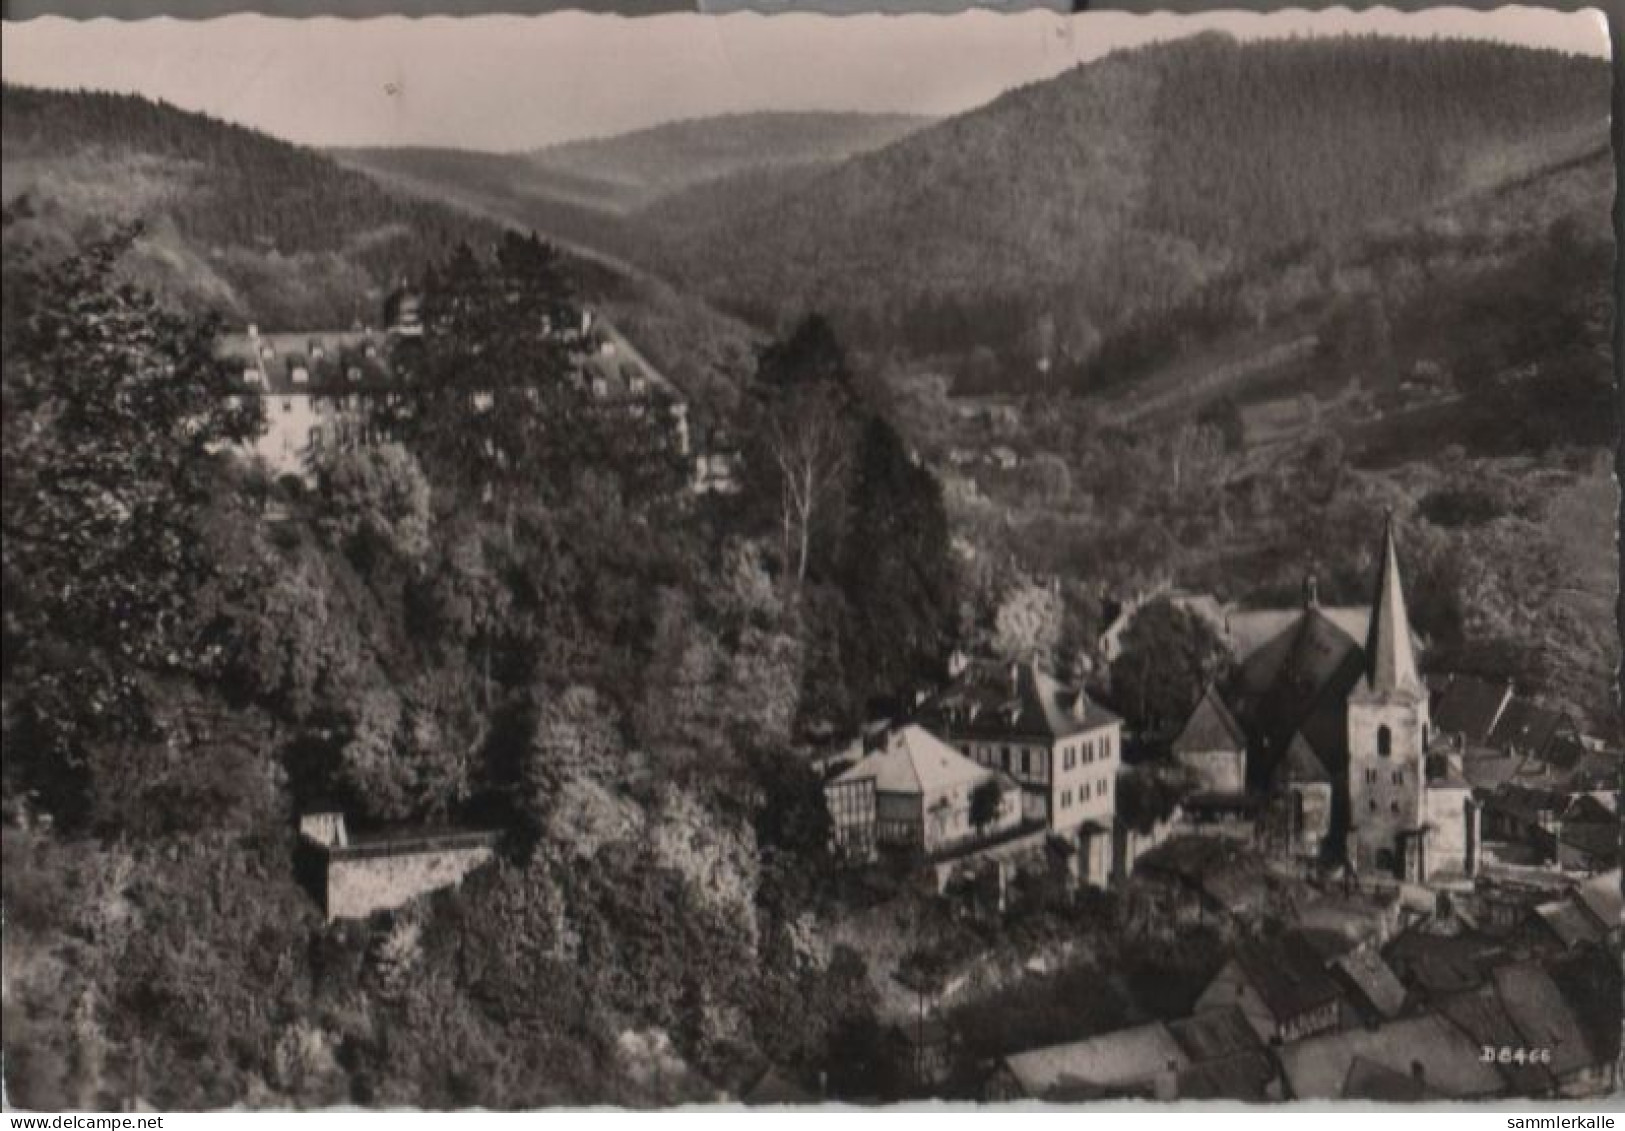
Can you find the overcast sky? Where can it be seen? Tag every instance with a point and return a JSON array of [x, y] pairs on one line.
[[514, 82]]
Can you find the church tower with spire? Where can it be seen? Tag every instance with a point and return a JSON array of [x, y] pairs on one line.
[[1388, 732]]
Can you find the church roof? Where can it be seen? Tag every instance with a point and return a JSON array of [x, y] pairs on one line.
[[1297, 684], [1390, 655], [1308, 652], [1301, 765], [1210, 727]]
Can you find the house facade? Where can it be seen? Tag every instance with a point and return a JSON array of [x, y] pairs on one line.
[[321, 390], [1057, 744], [919, 793], [1280, 987]]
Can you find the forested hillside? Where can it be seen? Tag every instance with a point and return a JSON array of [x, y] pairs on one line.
[[237, 221], [1066, 209], [610, 195], [514, 619], [639, 167]]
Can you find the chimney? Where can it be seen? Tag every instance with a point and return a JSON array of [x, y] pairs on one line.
[[1311, 592], [957, 663], [1015, 677]]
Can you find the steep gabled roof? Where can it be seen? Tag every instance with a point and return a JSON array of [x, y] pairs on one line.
[[1376, 983], [1301, 766], [1017, 701], [1544, 1017], [1441, 964], [1470, 706], [915, 761], [1603, 899], [1210, 727], [1112, 1060], [1480, 1014], [1446, 1061], [1590, 981], [1569, 920], [1287, 975], [1215, 1033], [1242, 1076], [1527, 726]]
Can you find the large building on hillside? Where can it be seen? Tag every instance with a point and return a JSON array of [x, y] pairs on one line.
[[1060, 746], [1337, 735], [321, 389]]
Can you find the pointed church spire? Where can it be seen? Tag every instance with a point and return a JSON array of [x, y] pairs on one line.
[[1389, 656]]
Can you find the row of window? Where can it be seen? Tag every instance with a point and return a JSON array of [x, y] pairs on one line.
[[1031, 762], [1396, 776], [1101, 789], [1073, 756]]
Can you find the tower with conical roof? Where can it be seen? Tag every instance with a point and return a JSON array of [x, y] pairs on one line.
[[1388, 730]]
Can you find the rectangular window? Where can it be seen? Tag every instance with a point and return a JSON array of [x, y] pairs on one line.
[[1370, 776], [1066, 799], [1026, 762], [1083, 794], [1399, 777]]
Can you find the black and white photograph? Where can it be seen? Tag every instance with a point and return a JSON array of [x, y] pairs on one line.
[[780, 560]]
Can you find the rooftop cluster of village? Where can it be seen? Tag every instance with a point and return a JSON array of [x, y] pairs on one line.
[[1418, 878], [1421, 875]]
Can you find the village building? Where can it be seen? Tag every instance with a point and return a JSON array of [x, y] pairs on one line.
[[1300, 812], [1575, 832], [919, 793], [1143, 1062], [1213, 747], [356, 876], [1211, 1056], [1439, 1059], [1061, 747], [1591, 914], [1505, 739], [315, 387], [321, 390], [1373, 992], [1546, 1020], [1281, 988]]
